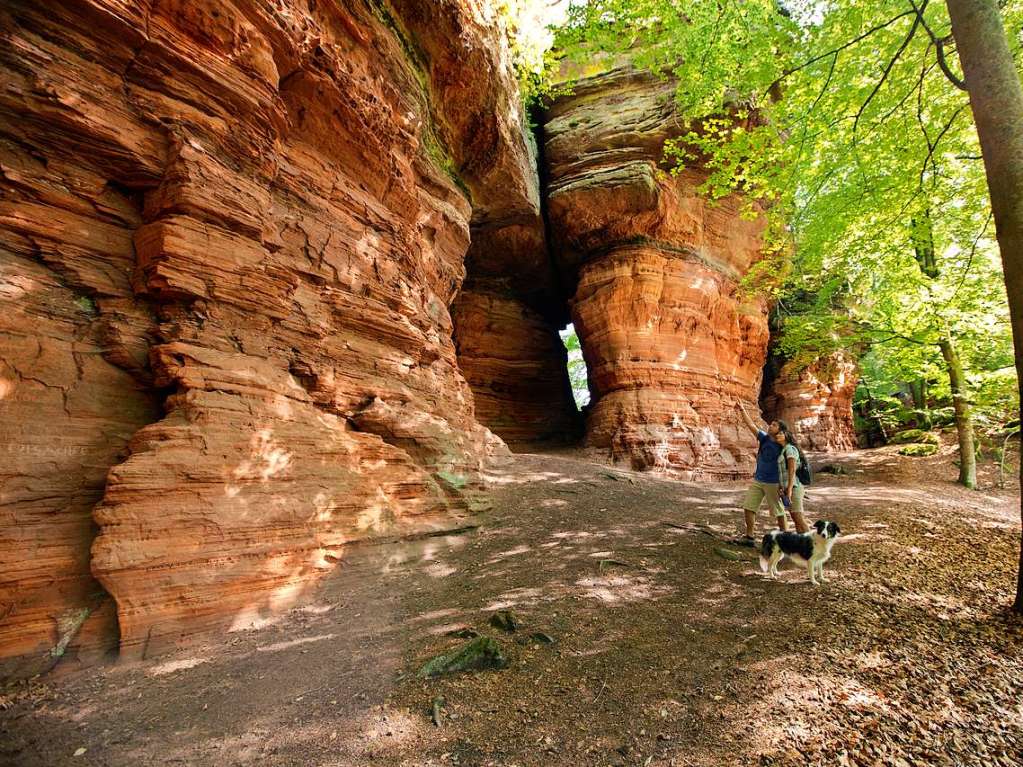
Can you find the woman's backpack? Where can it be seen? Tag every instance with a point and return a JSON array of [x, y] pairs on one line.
[[803, 472]]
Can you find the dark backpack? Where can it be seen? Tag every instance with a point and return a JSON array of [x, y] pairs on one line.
[[803, 472]]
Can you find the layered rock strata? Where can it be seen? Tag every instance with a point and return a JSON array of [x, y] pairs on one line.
[[815, 400], [516, 364], [670, 342], [231, 234]]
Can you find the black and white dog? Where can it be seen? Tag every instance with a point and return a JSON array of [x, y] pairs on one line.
[[812, 549]]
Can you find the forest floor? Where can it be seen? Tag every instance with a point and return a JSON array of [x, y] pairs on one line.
[[669, 646]]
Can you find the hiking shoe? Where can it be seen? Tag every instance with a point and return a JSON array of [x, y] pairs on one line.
[[746, 541]]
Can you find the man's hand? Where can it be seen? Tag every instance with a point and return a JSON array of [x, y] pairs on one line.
[[745, 417]]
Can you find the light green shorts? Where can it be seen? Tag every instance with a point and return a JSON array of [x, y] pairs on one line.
[[758, 492], [797, 499]]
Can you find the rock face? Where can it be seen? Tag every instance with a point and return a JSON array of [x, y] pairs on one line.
[[506, 322], [670, 343], [516, 365], [814, 400], [231, 232]]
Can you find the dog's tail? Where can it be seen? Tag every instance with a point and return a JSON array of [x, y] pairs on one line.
[[766, 549]]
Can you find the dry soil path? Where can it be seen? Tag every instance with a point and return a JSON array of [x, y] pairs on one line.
[[666, 651]]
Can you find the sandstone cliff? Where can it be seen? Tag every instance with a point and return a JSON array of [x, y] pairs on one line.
[[231, 233], [271, 270], [669, 342], [814, 400]]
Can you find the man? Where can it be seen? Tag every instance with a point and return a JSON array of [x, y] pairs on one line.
[[765, 479]]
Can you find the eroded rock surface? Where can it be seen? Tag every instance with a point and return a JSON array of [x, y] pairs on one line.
[[506, 322], [517, 367], [815, 401], [670, 342], [231, 235]]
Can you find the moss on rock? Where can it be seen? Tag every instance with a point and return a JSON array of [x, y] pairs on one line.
[[918, 449], [478, 655]]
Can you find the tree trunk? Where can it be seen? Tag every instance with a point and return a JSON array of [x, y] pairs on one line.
[[872, 411], [919, 390], [964, 418], [996, 99]]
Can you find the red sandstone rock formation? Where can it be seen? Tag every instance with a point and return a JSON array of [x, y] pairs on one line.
[[670, 343], [816, 401], [504, 320], [516, 365], [231, 231]]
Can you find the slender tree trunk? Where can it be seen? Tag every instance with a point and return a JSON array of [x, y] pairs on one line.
[[915, 389], [919, 391], [872, 411], [925, 412], [964, 417], [996, 98]]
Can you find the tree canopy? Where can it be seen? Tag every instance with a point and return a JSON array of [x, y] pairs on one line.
[[863, 146]]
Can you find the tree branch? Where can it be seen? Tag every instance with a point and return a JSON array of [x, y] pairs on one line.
[[933, 147], [973, 252], [939, 46], [888, 69], [900, 337], [839, 49]]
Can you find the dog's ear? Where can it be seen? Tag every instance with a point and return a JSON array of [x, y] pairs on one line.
[[834, 529], [821, 526]]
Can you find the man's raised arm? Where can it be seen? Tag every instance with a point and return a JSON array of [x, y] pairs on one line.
[[749, 421]]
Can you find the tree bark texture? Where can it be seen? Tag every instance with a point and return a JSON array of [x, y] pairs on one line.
[[996, 98], [964, 418]]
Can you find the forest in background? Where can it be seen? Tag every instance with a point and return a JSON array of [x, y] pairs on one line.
[[847, 125]]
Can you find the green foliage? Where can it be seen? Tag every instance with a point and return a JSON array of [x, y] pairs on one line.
[[529, 42], [837, 122], [916, 450], [87, 305], [914, 435], [577, 375]]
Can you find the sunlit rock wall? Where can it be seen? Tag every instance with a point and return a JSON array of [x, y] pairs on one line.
[[815, 400], [670, 342], [230, 236]]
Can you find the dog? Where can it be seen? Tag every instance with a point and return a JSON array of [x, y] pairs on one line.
[[812, 549]]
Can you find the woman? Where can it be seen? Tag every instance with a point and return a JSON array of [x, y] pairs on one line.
[[789, 487]]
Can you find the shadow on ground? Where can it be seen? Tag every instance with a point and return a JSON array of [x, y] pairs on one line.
[[664, 653]]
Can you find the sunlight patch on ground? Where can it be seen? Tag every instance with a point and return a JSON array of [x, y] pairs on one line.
[[621, 589], [294, 643], [439, 570], [514, 552], [447, 628], [722, 590], [175, 665], [251, 620], [316, 609], [553, 503], [528, 478], [435, 615], [573, 534], [515, 597]]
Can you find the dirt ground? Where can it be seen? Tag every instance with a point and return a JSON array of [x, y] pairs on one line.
[[670, 647]]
